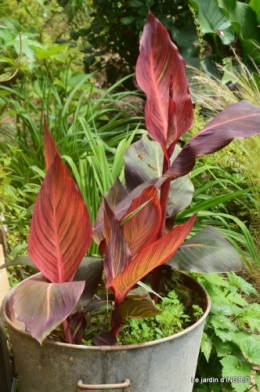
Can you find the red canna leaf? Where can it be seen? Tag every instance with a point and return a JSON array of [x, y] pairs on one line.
[[50, 304], [118, 254], [143, 227], [121, 208], [160, 73], [114, 195], [60, 232], [236, 120], [150, 257], [50, 149]]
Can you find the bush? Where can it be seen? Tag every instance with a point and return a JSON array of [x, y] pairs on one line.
[[116, 27]]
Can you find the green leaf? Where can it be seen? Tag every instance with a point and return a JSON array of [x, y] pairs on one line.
[[206, 346], [239, 337], [222, 308], [241, 16], [233, 368], [257, 380], [45, 53], [186, 38], [228, 36], [144, 160], [22, 260], [236, 298], [244, 21], [128, 20], [222, 322], [250, 315], [225, 336], [255, 5], [222, 349], [241, 284], [212, 19], [210, 16], [256, 77], [251, 349], [206, 251], [135, 3], [216, 280]]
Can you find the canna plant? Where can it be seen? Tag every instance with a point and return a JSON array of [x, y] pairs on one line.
[[135, 226]]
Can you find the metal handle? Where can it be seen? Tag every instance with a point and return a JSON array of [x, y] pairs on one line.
[[124, 384]]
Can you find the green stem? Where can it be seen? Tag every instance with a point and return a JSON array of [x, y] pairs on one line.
[[216, 46]]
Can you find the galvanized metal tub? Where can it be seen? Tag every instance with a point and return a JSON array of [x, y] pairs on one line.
[[167, 364]]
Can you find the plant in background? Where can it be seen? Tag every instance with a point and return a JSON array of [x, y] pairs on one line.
[[230, 343], [115, 28], [89, 124], [227, 22], [131, 224], [30, 39], [240, 159]]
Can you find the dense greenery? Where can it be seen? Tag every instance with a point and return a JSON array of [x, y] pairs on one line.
[[230, 344], [203, 31]]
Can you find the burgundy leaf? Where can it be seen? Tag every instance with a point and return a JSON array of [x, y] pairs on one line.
[[150, 257], [105, 339], [118, 254], [89, 270], [78, 325], [50, 149], [114, 195], [143, 227], [60, 232], [239, 120], [42, 306], [122, 207], [160, 73]]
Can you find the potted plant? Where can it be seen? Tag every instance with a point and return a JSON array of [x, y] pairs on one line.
[[136, 235]]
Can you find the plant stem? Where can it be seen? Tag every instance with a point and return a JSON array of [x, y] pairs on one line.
[[216, 46], [156, 276]]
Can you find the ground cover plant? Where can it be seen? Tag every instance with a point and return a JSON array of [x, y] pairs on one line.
[[231, 336]]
